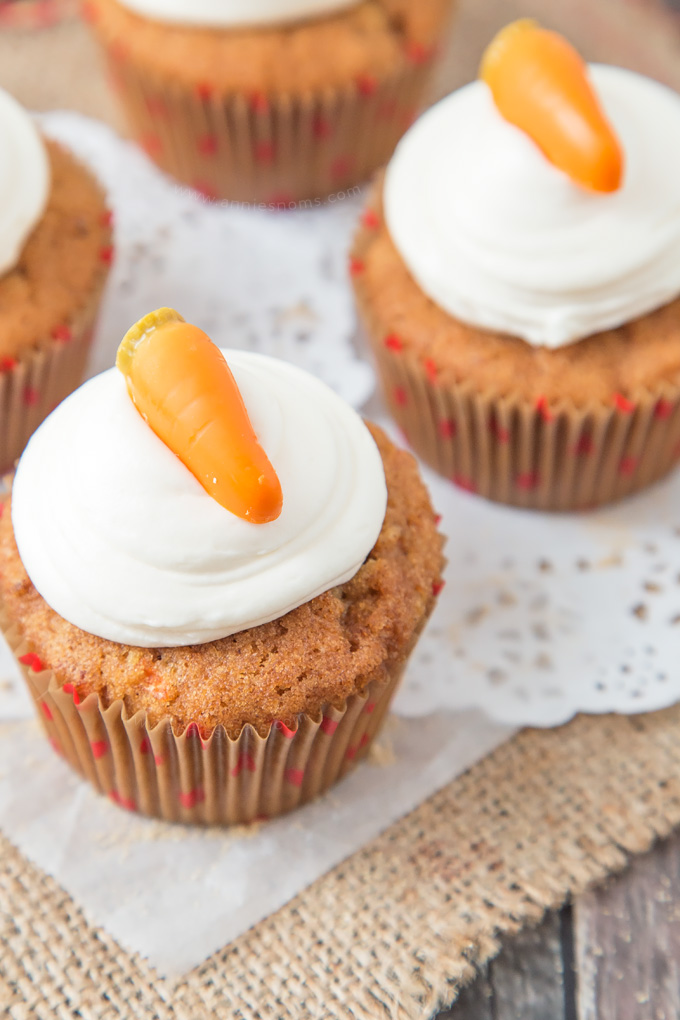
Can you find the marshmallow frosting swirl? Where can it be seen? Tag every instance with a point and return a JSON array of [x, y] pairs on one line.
[[24, 179], [121, 540], [501, 239], [235, 13]]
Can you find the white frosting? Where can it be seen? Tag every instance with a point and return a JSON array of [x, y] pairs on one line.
[[235, 13], [121, 539], [501, 239], [24, 179]]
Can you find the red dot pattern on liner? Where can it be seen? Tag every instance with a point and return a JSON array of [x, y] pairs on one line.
[[437, 587], [264, 152], [321, 128], [527, 480], [356, 266], [192, 797], [106, 254], [62, 333], [294, 776], [205, 189], [400, 397], [431, 370], [7, 364], [33, 661], [151, 144], [118, 51], [207, 145], [352, 752], [259, 103], [125, 802], [393, 343], [417, 53], [46, 711], [464, 483], [31, 396], [56, 746], [628, 465], [623, 404], [663, 409], [369, 707], [328, 726], [498, 431], [366, 84], [447, 428], [156, 107], [245, 761], [99, 748], [584, 446], [204, 90], [145, 746], [387, 109], [543, 409], [71, 689], [106, 218], [341, 167], [370, 219], [286, 730]]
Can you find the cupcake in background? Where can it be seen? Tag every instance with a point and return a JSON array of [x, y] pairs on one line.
[[518, 274], [269, 101], [213, 581], [55, 252]]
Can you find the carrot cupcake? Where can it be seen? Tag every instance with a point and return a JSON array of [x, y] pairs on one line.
[[55, 250], [212, 636], [273, 102], [518, 273]]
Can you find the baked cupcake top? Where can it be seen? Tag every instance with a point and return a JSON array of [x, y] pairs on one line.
[[131, 547], [235, 13], [356, 45], [24, 179], [502, 239], [55, 236]]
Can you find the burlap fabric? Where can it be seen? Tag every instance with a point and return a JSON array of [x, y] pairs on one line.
[[396, 929]]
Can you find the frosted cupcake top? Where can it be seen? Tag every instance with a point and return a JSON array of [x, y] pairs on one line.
[[129, 546], [122, 540], [24, 179], [502, 239], [235, 13]]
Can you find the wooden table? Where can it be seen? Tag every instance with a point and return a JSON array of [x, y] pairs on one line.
[[614, 954]]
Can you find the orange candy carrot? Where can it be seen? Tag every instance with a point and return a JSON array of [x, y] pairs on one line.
[[541, 85], [183, 388]]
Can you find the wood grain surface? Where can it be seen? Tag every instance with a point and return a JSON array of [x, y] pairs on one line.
[[612, 955]]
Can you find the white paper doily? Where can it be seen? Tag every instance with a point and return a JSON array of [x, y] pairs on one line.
[[546, 615]]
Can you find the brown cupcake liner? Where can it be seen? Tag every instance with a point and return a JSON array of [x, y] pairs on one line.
[[273, 150], [559, 457], [202, 778], [36, 380]]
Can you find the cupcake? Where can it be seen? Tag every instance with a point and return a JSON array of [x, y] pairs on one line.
[[214, 604], [518, 274], [55, 251], [275, 102]]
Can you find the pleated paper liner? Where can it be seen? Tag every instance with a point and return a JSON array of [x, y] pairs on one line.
[[278, 151], [545, 457], [559, 458], [33, 383], [202, 778]]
